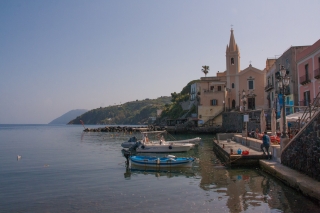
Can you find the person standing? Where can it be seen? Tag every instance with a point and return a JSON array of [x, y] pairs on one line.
[[266, 144]]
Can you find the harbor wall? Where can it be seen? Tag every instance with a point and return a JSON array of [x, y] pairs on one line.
[[302, 153]]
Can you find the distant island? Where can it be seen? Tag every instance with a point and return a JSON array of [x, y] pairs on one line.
[[67, 117]]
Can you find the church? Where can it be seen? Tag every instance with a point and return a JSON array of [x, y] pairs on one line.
[[230, 90]]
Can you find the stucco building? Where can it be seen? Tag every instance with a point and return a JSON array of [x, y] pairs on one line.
[[227, 89], [308, 66]]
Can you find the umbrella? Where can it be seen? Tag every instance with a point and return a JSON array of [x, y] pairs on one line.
[[273, 122], [262, 121]]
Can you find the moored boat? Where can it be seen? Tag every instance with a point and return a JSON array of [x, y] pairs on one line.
[[164, 147], [161, 162]]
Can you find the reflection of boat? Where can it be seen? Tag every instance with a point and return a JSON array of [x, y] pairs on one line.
[[169, 173], [132, 141], [162, 162], [154, 141]]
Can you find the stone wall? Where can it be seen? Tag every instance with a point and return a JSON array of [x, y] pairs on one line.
[[303, 151], [233, 121]]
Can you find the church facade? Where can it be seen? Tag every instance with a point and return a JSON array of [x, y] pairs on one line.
[[233, 89]]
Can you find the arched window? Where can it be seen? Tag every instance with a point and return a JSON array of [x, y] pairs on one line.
[[232, 61]]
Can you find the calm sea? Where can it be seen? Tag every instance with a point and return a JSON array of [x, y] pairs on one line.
[[63, 169]]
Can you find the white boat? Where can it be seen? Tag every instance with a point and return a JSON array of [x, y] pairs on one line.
[[154, 141], [192, 140], [164, 147], [162, 162]]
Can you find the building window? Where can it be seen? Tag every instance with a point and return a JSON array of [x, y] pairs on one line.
[[287, 63], [250, 84], [219, 88], [306, 67], [214, 102], [211, 87], [232, 61], [232, 85]]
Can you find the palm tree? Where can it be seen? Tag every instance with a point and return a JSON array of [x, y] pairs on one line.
[[205, 70]]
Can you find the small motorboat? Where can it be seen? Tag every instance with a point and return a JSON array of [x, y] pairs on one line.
[[154, 141], [131, 142], [192, 140], [164, 147], [169, 161]]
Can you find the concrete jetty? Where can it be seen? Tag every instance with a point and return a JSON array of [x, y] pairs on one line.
[[225, 142]]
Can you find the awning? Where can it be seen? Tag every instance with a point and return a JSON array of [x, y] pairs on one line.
[[292, 117]]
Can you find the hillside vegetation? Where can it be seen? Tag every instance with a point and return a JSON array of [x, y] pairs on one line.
[[134, 112], [174, 110]]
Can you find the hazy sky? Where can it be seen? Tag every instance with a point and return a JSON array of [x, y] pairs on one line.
[[56, 56]]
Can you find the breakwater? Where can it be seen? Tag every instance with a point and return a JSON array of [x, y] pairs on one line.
[[124, 129]]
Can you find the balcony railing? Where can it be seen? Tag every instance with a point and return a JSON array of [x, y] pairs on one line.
[[304, 79], [314, 102], [212, 91], [268, 87], [317, 73]]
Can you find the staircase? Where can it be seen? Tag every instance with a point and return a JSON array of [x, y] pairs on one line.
[[210, 121]]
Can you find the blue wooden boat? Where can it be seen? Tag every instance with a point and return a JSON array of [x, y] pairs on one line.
[[161, 162]]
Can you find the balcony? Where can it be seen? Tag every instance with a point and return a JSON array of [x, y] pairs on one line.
[[304, 79], [212, 91], [314, 102], [317, 73], [268, 87]]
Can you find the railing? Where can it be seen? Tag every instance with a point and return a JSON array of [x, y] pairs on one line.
[[317, 73], [309, 112], [304, 79], [268, 87], [212, 91], [316, 102]]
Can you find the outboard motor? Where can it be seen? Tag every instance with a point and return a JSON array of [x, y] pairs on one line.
[[126, 154], [135, 146]]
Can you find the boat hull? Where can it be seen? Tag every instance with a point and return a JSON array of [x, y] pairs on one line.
[[153, 162], [156, 148], [192, 140]]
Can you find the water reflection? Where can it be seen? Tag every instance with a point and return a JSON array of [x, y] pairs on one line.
[[169, 173], [209, 185]]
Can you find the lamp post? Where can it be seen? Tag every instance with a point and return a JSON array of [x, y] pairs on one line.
[[224, 105], [244, 100], [283, 82], [276, 104]]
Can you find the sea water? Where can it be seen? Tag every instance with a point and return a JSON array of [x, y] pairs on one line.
[[63, 169]]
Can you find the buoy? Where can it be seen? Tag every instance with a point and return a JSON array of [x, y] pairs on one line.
[[239, 151]]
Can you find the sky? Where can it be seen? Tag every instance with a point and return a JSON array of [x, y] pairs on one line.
[[56, 56]]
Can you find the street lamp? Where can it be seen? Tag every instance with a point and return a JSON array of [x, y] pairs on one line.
[[283, 82], [224, 106], [276, 103], [244, 100]]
